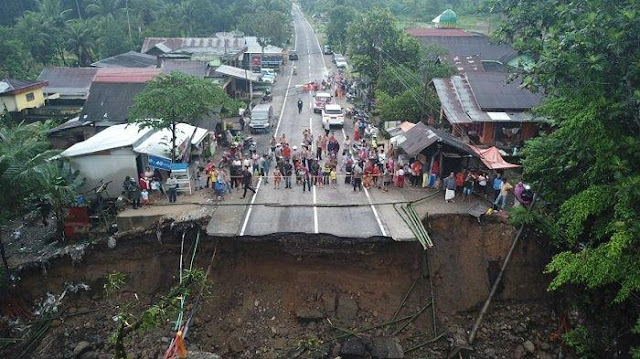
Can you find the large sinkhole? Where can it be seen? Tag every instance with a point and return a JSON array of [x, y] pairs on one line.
[[290, 295]]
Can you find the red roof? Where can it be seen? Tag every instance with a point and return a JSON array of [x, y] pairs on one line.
[[433, 32], [492, 159], [126, 75]]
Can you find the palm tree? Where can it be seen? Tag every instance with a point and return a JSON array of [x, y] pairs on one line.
[[53, 11], [28, 175], [81, 40], [104, 8]]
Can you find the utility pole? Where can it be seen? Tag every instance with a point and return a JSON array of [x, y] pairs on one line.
[[128, 20]]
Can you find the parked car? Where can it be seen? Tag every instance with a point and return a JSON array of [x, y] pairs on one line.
[[293, 55], [333, 114], [320, 100], [261, 118], [327, 50], [341, 63], [269, 72], [270, 79], [336, 56]]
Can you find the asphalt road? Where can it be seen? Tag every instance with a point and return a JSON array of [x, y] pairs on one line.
[[292, 210]]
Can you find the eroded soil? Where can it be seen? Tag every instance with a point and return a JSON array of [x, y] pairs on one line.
[[297, 295]]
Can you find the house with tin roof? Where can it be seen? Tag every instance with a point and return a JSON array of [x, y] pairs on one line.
[[226, 47], [488, 108], [129, 59], [17, 96]]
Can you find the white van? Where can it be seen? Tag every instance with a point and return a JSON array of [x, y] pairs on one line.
[[320, 100], [261, 118], [333, 114]]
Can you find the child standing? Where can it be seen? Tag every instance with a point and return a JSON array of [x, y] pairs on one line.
[[334, 177], [144, 195], [277, 177]]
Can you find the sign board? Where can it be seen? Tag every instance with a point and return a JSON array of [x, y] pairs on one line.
[[160, 163]]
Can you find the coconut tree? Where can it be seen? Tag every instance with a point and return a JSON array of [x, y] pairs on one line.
[[81, 40], [104, 8]]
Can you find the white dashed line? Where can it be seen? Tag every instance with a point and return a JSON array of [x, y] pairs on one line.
[[315, 212], [375, 213], [253, 199]]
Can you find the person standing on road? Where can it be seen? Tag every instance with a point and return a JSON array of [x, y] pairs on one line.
[[172, 184], [246, 181], [277, 178], [357, 177], [287, 171], [501, 200], [299, 105], [450, 188], [266, 167], [319, 148], [346, 144], [306, 179]]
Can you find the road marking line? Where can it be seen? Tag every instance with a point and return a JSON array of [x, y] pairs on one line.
[[318, 43], [286, 96], [253, 199], [375, 213], [315, 212], [284, 103], [311, 125]]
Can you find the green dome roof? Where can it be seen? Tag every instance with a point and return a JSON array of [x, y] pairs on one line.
[[448, 16]]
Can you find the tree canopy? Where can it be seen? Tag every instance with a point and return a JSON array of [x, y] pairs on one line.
[[587, 61], [39, 33], [374, 40], [176, 97]]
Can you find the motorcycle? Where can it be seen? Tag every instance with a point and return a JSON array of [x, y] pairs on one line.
[[248, 145], [295, 70]]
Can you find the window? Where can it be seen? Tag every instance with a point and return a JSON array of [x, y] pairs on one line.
[[31, 96]]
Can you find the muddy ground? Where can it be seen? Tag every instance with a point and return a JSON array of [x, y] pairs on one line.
[[294, 295]]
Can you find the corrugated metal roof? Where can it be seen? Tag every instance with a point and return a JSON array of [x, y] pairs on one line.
[[253, 47], [471, 45], [218, 45], [188, 67], [159, 143], [11, 86], [493, 92], [237, 72], [125, 75], [109, 103], [128, 59], [422, 136], [110, 138], [460, 104], [464, 63], [69, 82]]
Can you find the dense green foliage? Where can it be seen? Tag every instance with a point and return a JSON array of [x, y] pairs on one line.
[[29, 180], [396, 65], [38, 33], [176, 97], [420, 10], [588, 62]]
